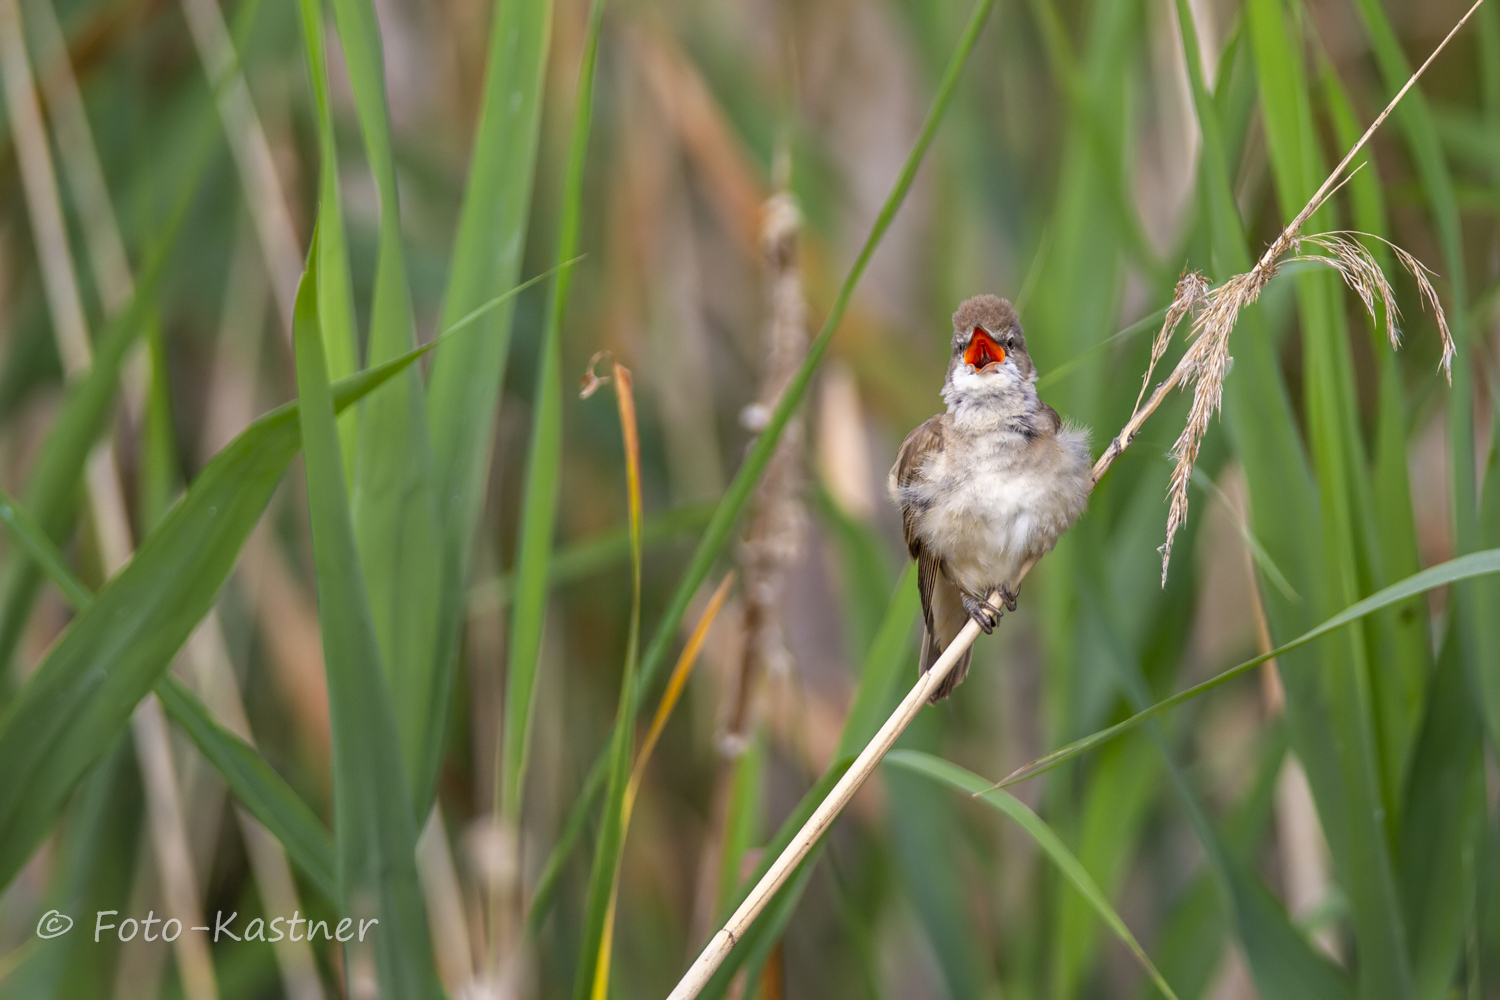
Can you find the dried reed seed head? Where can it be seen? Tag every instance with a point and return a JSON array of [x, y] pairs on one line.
[[1206, 361], [780, 222], [1420, 272], [1191, 288], [1360, 271], [1206, 364]]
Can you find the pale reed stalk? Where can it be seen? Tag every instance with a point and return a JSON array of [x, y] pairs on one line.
[[81, 166], [205, 655], [445, 906], [1205, 363], [252, 154], [148, 723], [772, 538]]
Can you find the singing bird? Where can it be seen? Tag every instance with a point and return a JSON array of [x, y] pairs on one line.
[[988, 485]]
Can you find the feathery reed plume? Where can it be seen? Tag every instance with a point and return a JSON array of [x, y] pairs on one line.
[[1207, 360], [1191, 288], [1205, 364]]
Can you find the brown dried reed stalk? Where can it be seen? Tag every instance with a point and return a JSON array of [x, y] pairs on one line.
[[106, 499], [773, 535], [1204, 366]]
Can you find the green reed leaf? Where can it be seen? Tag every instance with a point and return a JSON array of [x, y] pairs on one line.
[[77, 702], [544, 459], [1463, 568], [373, 824], [1041, 834], [257, 786], [464, 383], [395, 510]]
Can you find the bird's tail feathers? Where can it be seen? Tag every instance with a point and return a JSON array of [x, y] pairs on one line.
[[931, 650]]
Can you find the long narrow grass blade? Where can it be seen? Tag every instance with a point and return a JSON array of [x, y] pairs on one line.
[[465, 379], [373, 825], [93, 865], [1464, 568], [264, 196], [748, 476], [888, 656], [1104, 143], [1442, 818], [1400, 641], [257, 787], [675, 684], [1414, 118], [596, 554], [923, 822], [75, 705], [592, 976], [544, 461], [32, 537], [882, 666], [51, 490], [1282, 499], [59, 726], [395, 510], [1362, 855], [967, 781], [567, 839], [1258, 553], [335, 291], [1282, 960]]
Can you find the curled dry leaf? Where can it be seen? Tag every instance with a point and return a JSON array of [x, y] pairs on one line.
[[591, 382]]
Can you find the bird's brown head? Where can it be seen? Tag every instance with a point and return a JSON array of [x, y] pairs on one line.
[[988, 342]]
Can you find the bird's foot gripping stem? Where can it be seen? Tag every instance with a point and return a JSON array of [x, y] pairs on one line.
[[1008, 597], [985, 614]]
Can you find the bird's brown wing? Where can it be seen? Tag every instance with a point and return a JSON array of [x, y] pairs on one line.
[[942, 607], [927, 438], [1048, 419], [943, 616]]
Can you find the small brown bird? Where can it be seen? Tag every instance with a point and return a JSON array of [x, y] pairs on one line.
[[986, 486]]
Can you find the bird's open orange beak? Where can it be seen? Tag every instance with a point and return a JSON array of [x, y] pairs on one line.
[[983, 351]]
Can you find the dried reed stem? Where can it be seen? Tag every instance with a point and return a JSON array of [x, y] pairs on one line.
[[85, 176], [822, 818], [445, 906], [148, 723], [206, 657], [252, 154], [1205, 364], [230, 409], [773, 536]]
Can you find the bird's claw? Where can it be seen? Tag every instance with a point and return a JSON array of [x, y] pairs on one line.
[[985, 614], [1008, 598]]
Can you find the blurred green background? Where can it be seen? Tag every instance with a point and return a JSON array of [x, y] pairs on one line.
[[418, 636]]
